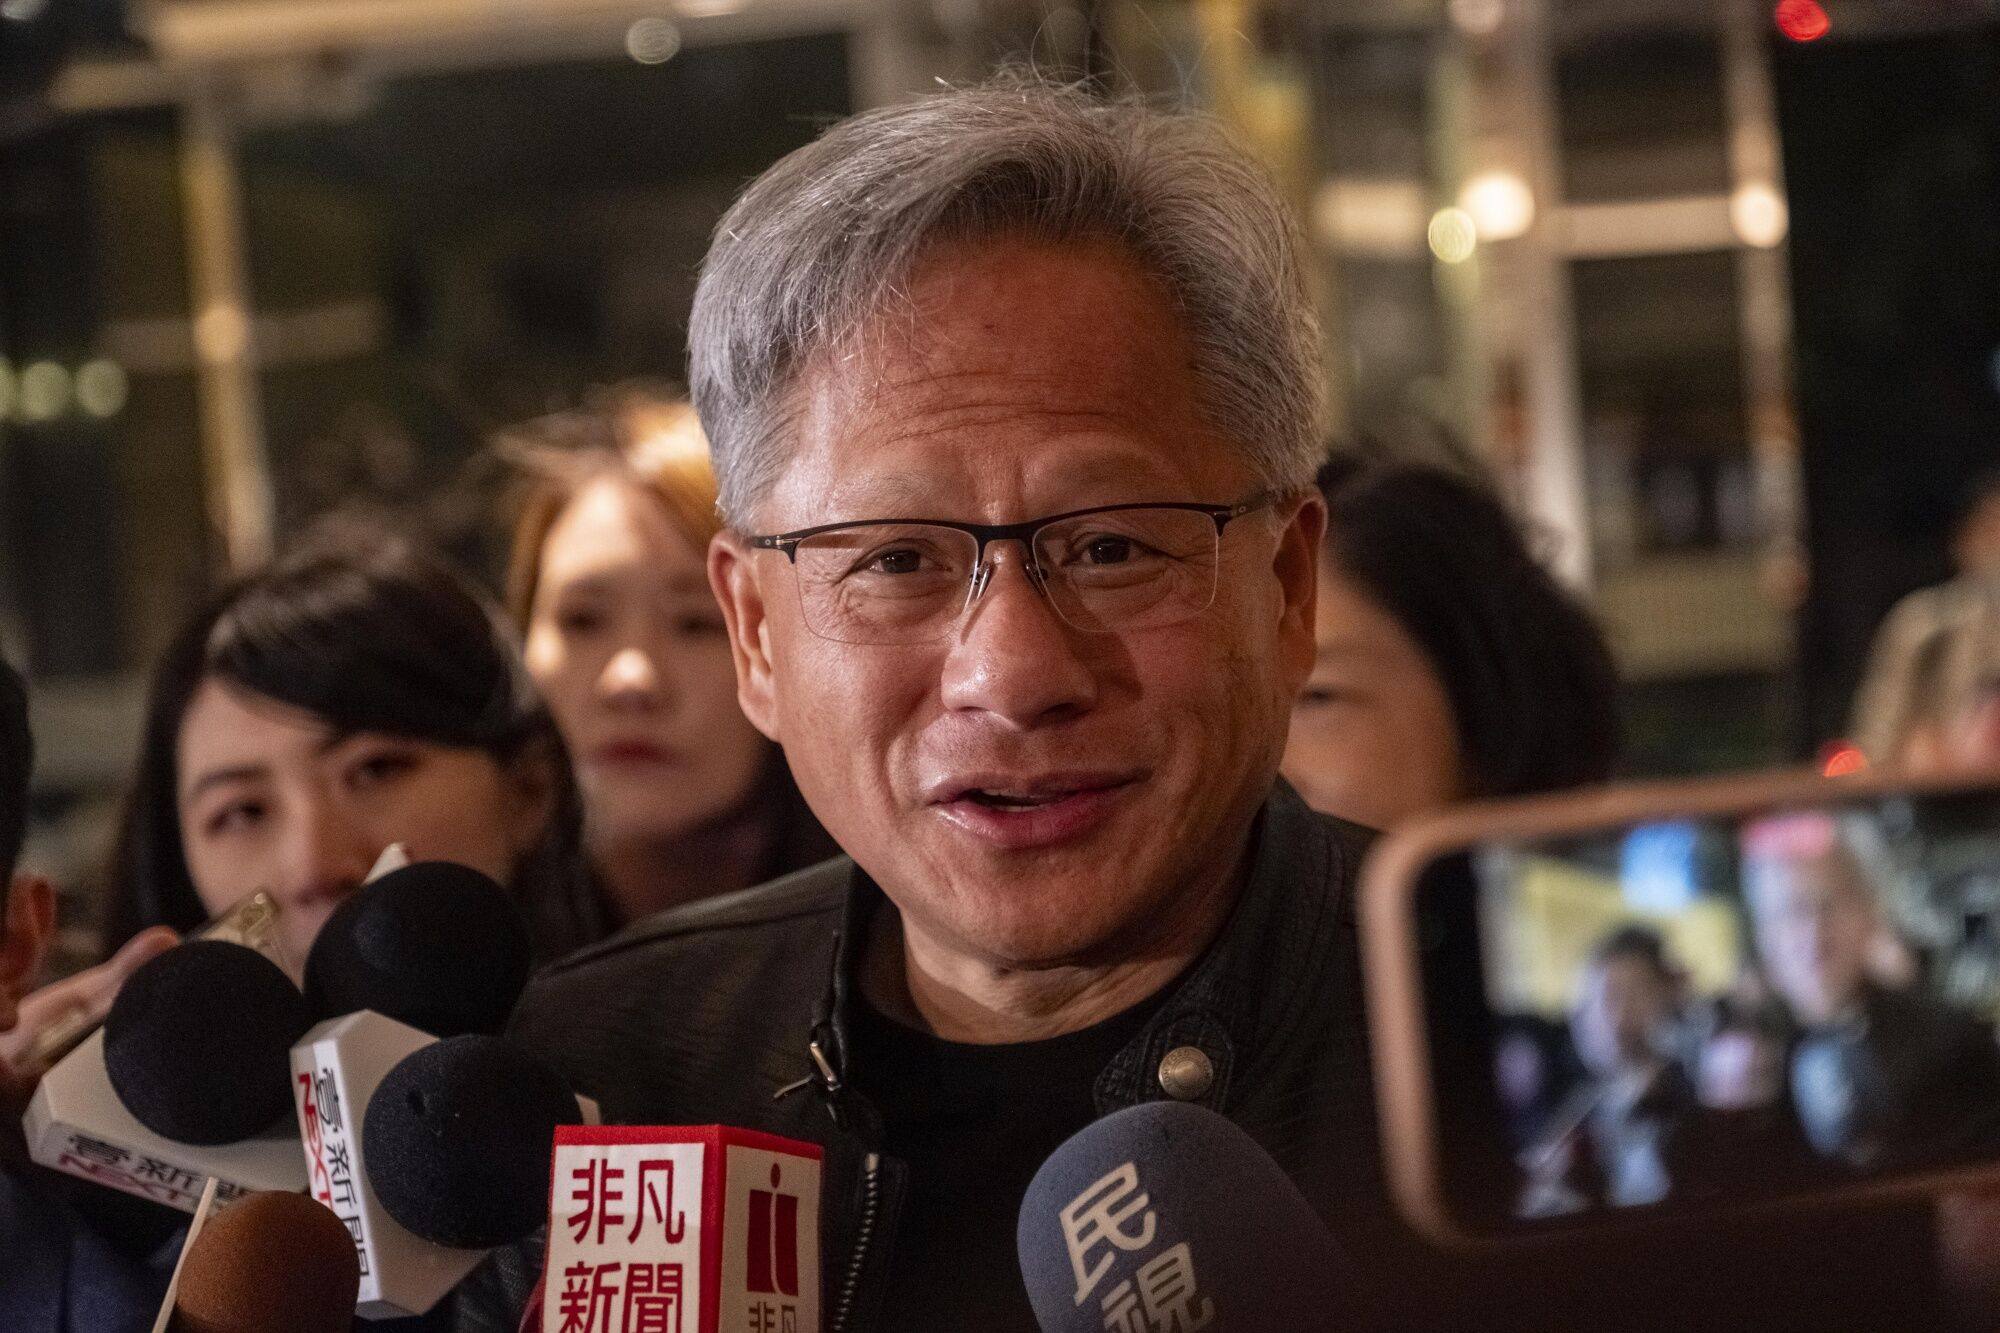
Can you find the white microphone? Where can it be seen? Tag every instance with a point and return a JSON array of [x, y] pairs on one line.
[[430, 1152], [185, 1081], [77, 1125]]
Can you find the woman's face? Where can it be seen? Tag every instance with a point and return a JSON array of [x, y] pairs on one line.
[[629, 648], [1372, 736], [272, 798]]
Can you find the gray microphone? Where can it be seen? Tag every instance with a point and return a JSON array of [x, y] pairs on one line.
[[1167, 1216]]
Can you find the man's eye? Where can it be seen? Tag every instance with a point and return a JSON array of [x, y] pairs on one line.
[[1318, 696], [1109, 550], [579, 620], [898, 560]]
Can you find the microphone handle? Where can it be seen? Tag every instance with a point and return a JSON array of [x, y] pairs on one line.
[[201, 1212]]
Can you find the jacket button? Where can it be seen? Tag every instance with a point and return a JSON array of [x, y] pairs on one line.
[[1186, 1073]]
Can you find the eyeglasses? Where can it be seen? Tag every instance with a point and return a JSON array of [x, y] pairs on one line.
[[888, 582]]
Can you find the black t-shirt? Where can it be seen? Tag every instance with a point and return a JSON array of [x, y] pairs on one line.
[[974, 1123]]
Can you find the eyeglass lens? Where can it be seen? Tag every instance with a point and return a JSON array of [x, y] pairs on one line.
[[907, 583]]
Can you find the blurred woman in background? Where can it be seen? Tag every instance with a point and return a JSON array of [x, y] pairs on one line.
[[1450, 664], [683, 798], [355, 694]]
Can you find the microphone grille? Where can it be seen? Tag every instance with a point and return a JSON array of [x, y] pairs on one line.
[[269, 1263], [435, 945], [458, 1140], [198, 1043]]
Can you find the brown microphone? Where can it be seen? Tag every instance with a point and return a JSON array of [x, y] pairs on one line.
[[269, 1263]]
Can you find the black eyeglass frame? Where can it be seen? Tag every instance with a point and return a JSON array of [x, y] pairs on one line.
[[1024, 532]]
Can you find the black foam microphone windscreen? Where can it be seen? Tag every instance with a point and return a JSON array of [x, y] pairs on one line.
[[198, 1043], [458, 1139], [1168, 1216], [435, 945]]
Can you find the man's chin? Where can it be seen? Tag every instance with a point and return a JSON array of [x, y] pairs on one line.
[[1037, 937]]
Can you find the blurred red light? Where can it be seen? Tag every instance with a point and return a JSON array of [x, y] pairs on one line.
[[1840, 759], [1803, 20]]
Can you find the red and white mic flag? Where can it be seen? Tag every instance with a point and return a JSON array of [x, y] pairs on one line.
[[707, 1229]]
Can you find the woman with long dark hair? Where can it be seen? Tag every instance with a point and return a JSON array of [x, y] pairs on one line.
[[357, 693], [1450, 663]]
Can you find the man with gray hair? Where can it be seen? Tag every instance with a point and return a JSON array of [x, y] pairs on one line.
[[1015, 401]]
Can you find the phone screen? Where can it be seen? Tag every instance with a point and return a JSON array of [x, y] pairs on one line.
[[1707, 1011]]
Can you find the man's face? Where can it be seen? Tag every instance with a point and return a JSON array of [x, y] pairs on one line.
[[1027, 793], [1815, 922]]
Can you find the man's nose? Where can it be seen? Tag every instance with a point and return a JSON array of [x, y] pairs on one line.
[[1013, 657], [632, 677]]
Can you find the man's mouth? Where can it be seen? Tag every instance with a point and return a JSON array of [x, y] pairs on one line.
[[1018, 813], [1004, 800], [1019, 793]]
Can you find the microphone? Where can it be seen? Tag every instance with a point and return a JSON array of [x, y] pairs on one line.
[[270, 1263], [454, 1159], [428, 1152], [435, 945], [1166, 1215], [458, 1140], [186, 1080], [197, 1043]]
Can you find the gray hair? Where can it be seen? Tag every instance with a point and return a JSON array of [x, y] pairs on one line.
[[826, 239]]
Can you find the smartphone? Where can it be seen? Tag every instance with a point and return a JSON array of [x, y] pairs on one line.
[[1642, 1002]]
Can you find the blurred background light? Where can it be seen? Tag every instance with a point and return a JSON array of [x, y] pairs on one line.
[[653, 41], [43, 393], [1840, 758], [1803, 20], [1453, 236], [221, 333], [101, 388], [1758, 215], [7, 386], [1500, 203]]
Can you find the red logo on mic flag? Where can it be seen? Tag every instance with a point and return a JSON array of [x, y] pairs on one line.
[[681, 1230], [774, 1241]]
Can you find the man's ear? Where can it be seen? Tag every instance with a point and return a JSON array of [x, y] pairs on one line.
[[1296, 565], [30, 928], [733, 572]]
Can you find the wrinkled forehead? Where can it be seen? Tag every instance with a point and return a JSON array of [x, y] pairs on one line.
[[1012, 373]]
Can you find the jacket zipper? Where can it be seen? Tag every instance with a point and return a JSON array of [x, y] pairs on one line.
[[870, 1203]]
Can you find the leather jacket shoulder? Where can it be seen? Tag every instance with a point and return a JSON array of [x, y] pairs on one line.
[[695, 1015]]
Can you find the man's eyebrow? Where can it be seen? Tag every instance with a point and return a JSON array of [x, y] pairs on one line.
[[899, 495], [216, 777], [894, 496]]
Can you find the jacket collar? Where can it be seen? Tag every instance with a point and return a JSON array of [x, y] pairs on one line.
[[1251, 987]]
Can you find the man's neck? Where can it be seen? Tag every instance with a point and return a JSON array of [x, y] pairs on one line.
[[927, 983]]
